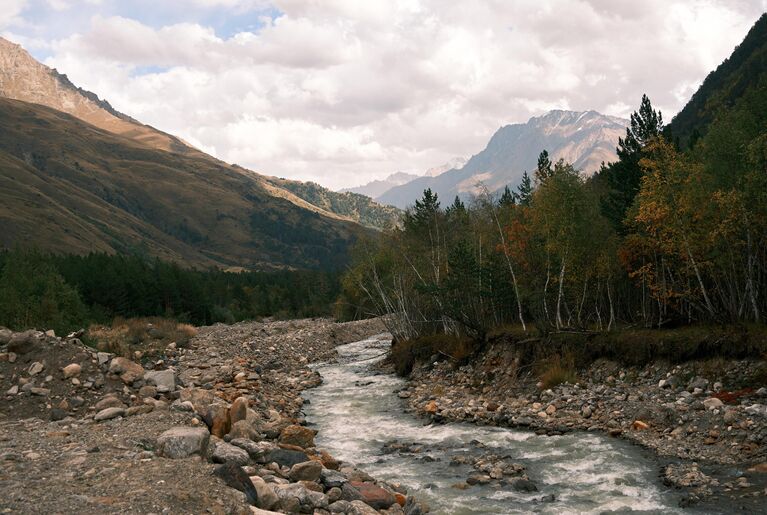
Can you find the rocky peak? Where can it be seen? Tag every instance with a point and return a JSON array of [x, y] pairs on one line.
[[24, 78]]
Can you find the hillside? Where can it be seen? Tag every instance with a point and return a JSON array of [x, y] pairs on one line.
[[374, 189], [24, 78], [353, 206], [585, 139], [720, 91], [68, 186]]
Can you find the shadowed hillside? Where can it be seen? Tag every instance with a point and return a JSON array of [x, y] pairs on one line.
[[70, 187]]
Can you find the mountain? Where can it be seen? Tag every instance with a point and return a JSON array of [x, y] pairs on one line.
[[744, 70], [456, 162], [77, 176], [353, 206], [24, 78], [374, 189], [585, 139]]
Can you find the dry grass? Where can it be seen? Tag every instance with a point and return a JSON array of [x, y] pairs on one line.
[[557, 370], [150, 336], [406, 354]]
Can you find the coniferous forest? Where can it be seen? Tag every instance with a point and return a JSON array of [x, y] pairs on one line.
[[665, 236]]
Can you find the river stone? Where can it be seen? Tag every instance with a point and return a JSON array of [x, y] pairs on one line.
[[712, 403], [36, 368], [21, 343], [297, 435], [266, 499], [5, 336], [128, 371], [340, 506], [360, 508], [239, 410], [523, 485], [306, 471], [164, 380], [109, 413], [182, 441], [249, 446], [217, 419], [110, 401], [225, 453], [412, 507], [234, 477], [305, 497], [242, 429], [71, 370], [332, 478], [374, 495], [286, 457]]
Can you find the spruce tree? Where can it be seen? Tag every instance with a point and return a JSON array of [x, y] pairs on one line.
[[525, 190], [507, 198], [624, 176]]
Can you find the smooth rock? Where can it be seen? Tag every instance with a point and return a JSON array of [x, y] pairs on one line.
[[306, 471], [36, 368], [239, 410], [71, 370], [128, 371], [110, 401], [109, 413], [373, 495], [225, 452], [712, 403], [234, 477], [182, 441], [164, 380], [297, 435], [285, 457]]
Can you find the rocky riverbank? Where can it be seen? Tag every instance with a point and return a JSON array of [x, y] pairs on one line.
[[213, 425], [709, 431]]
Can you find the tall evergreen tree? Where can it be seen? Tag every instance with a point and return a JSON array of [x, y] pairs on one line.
[[507, 198], [624, 176], [543, 170], [424, 211], [525, 190]]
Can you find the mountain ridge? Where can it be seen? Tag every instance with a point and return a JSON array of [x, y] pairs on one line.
[[583, 138]]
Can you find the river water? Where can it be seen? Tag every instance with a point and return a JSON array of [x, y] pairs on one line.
[[357, 413]]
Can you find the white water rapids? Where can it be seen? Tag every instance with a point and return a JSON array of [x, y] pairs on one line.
[[357, 411]]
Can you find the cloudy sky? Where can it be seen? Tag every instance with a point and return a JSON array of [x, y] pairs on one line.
[[344, 91]]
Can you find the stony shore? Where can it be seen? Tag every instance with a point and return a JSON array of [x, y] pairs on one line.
[[708, 432], [213, 427]]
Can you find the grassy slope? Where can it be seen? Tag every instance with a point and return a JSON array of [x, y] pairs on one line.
[[354, 206], [70, 187]]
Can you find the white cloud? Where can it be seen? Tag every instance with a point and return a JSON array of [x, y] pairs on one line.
[[341, 91], [9, 12]]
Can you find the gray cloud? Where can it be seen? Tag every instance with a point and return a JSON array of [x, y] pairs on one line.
[[341, 91]]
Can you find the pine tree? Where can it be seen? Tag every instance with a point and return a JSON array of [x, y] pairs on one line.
[[507, 198], [424, 211], [624, 176], [525, 190], [543, 170]]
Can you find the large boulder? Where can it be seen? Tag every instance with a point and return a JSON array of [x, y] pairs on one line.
[[225, 453], [285, 457], [297, 435], [243, 429], [361, 508], [267, 499], [239, 410], [234, 477], [164, 380], [128, 371], [373, 495], [182, 442], [296, 493], [200, 398], [217, 419], [5, 335], [21, 343], [306, 471]]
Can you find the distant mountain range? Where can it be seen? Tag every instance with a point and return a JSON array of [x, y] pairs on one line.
[[375, 189], [585, 139], [78, 176]]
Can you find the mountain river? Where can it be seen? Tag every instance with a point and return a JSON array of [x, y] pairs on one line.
[[359, 417]]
